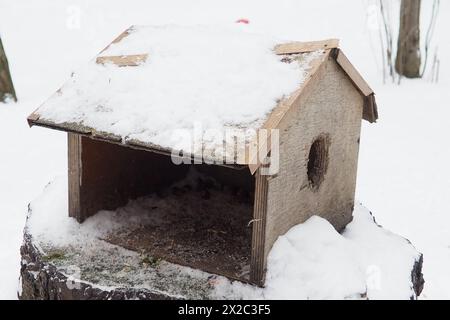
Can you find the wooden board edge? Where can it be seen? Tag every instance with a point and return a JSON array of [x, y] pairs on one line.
[[33, 118], [352, 72], [370, 110], [258, 257], [302, 47], [119, 38], [130, 143], [374, 108]]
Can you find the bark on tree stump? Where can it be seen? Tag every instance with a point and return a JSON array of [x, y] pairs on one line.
[[6, 85], [68, 275], [417, 277], [41, 280]]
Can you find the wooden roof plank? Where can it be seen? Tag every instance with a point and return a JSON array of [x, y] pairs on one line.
[[119, 38], [76, 128], [301, 47], [123, 61], [354, 75]]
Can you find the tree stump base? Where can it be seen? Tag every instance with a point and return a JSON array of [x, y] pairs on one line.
[[42, 280], [68, 275]]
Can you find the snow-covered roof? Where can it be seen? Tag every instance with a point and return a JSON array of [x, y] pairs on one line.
[[178, 88]]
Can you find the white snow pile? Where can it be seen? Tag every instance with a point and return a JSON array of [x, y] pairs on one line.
[[50, 225], [206, 77], [311, 261]]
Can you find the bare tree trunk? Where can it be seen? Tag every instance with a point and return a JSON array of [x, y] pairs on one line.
[[6, 84], [408, 52]]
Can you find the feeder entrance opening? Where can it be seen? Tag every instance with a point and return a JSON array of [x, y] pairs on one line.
[[318, 161]]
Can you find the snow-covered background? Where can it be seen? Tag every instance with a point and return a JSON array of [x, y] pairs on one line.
[[403, 169]]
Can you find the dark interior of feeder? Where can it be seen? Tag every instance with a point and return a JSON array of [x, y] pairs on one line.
[[318, 161], [203, 211]]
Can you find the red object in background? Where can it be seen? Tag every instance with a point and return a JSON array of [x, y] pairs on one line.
[[246, 21]]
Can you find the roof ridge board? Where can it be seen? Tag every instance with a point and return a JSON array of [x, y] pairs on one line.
[[303, 47]]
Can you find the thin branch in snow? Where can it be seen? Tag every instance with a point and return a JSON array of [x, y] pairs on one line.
[[430, 32], [388, 38]]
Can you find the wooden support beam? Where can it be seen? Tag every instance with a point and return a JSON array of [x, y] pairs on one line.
[[301, 47], [74, 175], [258, 256]]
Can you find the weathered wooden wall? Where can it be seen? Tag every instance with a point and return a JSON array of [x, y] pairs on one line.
[[331, 107]]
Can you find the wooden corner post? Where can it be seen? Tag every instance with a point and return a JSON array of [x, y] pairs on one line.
[[74, 175], [258, 256]]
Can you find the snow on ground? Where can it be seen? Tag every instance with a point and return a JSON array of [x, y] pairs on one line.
[[371, 262], [405, 178], [403, 169]]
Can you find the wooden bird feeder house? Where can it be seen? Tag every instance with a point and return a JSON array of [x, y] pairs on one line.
[[226, 221]]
